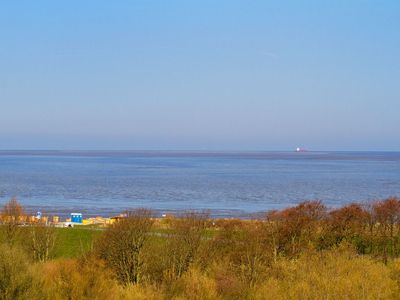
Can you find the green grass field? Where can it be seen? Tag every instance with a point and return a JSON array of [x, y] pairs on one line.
[[73, 242], [76, 241]]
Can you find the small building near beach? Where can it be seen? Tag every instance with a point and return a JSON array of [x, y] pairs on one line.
[[76, 217]]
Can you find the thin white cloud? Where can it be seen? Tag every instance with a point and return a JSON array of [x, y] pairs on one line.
[[270, 54]]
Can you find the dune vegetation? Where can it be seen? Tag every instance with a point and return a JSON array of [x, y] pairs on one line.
[[303, 252]]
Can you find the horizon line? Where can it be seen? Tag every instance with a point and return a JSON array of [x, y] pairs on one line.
[[191, 150]]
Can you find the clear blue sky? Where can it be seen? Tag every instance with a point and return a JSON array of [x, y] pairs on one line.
[[269, 75]]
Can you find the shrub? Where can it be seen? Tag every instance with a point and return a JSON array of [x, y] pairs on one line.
[[336, 274], [195, 285], [79, 279], [16, 276]]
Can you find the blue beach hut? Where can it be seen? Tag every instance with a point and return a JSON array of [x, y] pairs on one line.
[[76, 217]]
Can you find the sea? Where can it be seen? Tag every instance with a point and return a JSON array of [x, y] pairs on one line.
[[224, 184]]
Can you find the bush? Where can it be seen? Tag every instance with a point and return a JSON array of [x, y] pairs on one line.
[[16, 275], [195, 285], [139, 292], [79, 279], [339, 274]]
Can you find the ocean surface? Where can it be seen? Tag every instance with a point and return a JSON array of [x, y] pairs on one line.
[[225, 183]]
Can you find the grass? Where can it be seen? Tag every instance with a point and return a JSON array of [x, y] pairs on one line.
[[73, 242], [76, 241], [70, 242]]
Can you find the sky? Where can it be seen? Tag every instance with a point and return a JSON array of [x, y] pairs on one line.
[[200, 75]]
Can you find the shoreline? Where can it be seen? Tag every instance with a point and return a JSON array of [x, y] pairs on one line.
[[213, 213], [87, 212]]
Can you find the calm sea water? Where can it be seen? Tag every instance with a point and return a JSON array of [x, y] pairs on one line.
[[232, 184]]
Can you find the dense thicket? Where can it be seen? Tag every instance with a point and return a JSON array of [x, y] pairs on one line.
[[303, 252]]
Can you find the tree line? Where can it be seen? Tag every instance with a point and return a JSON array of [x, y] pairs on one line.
[[307, 251]]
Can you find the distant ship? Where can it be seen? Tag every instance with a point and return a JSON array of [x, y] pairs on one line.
[[298, 149]]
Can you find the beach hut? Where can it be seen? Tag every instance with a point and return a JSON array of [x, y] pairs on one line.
[[76, 217]]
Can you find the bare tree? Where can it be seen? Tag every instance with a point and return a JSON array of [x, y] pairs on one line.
[[387, 214], [11, 215], [41, 241], [298, 225], [122, 245], [246, 247], [184, 241]]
